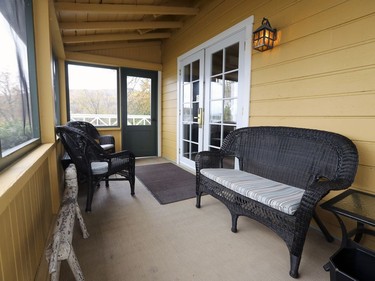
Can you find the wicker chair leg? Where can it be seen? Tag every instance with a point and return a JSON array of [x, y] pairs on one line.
[[106, 182], [90, 195], [198, 202], [294, 265], [132, 186], [234, 222]]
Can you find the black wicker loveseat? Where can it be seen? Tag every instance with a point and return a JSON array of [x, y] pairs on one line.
[[283, 173]]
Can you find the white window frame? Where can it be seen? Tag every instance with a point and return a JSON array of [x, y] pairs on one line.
[[9, 156]]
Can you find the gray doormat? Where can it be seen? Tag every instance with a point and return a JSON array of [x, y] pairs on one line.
[[167, 182]]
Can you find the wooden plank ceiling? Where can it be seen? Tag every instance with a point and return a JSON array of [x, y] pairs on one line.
[[90, 23]]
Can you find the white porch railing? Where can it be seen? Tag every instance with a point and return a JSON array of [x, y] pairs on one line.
[[111, 119], [139, 120]]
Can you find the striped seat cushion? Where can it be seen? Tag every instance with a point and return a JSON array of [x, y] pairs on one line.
[[99, 168], [282, 197]]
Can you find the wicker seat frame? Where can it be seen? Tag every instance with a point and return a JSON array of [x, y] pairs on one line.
[[84, 150], [316, 161]]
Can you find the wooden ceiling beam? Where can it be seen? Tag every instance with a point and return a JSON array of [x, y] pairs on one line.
[[119, 25], [106, 46], [105, 60], [124, 9], [114, 37]]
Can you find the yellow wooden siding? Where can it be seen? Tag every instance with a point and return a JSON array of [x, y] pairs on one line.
[[347, 104], [323, 64], [25, 221], [356, 81]]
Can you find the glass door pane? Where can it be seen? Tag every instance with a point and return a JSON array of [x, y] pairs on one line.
[[191, 109], [223, 94], [139, 101]]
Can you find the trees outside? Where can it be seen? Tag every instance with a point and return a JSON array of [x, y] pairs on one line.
[[104, 101], [15, 126], [93, 93], [139, 95], [99, 101]]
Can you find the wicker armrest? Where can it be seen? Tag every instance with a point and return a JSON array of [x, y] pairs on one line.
[[122, 154], [208, 159], [315, 192]]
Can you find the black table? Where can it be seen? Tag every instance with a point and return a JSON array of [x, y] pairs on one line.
[[352, 261], [355, 205]]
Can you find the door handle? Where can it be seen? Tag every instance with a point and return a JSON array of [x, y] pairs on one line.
[[200, 117]]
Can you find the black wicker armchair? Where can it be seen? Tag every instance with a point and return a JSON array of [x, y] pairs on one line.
[[107, 142], [301, 162], [93, 162]]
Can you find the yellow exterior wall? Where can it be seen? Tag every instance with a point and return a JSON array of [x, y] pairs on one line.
[[320, 74]]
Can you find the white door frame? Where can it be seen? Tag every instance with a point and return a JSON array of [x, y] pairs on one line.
[[244, 108]]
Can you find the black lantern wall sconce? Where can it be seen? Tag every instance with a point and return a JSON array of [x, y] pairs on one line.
[[264, 37]]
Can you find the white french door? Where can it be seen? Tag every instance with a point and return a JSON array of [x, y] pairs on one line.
[[191, 107], [214, 93]]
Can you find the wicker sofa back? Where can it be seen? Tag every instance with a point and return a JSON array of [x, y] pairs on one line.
[[311, 161], [293, 156]]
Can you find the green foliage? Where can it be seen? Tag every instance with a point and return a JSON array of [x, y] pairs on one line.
[[93, 101], [13, 131], [139, 103], [139, 96], [13, 134], [104, 101]]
